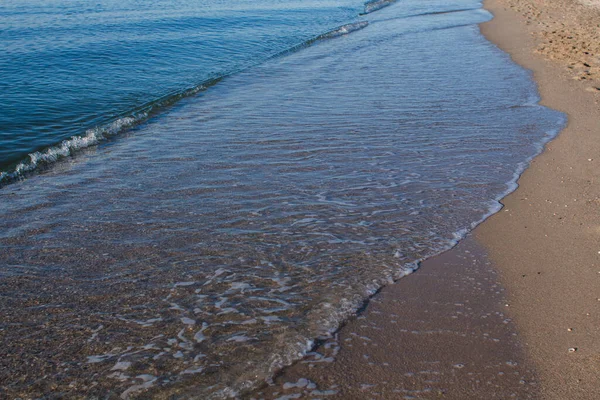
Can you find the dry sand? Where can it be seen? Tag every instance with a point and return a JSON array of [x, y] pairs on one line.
[[551, 224], [526, 324], [566, 31]]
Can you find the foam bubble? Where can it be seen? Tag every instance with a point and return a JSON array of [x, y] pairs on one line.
[[69, 146]]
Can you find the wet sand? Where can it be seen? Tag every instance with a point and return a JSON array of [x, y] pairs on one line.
[[514, 310], [551, 224], [442, 332]]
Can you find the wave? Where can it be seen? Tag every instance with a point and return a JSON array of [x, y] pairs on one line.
[[374, 5], [344, 30], [333, 322], [53, 154], [40, 160], [43, 159]]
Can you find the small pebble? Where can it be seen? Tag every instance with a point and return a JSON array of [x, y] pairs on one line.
[[572, 349], [570, 329]]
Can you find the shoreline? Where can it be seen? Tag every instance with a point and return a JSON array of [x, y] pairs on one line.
[[510, 311], [441, 332], [545, 241], [539, 267]]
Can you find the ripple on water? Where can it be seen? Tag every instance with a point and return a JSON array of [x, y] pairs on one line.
[[217, 242]]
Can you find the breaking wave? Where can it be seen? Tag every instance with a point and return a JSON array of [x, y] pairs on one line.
[[40, 160], [344, 30], [374, 5], [68, 147], [43, 159]]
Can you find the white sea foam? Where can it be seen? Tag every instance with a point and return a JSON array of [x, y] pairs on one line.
[[302, 382], [345, 29], [239, 338], [69, 146], [177, 284], [372, 6]]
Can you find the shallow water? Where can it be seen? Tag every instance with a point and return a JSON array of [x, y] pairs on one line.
[[202, 250], [69, 67]]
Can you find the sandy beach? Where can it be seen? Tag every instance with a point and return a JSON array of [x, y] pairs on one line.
[[513, 311], [545, 241], [196, 194], [442, 332]]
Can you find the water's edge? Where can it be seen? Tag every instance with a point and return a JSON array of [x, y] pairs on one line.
[[408, 268], [349, 306], [42, 160]]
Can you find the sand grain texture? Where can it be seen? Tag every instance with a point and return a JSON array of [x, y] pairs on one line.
[[567, 31], [546, 241]]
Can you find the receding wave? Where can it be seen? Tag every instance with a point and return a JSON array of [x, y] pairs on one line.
[[374, 5]]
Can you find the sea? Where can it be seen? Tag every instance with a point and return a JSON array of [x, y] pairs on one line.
[[193, 193]]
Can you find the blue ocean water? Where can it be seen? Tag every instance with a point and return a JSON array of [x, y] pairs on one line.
[[192, 240], [71, 66]]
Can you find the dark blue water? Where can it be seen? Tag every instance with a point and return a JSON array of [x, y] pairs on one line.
[[212, 239], [71, 66]]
